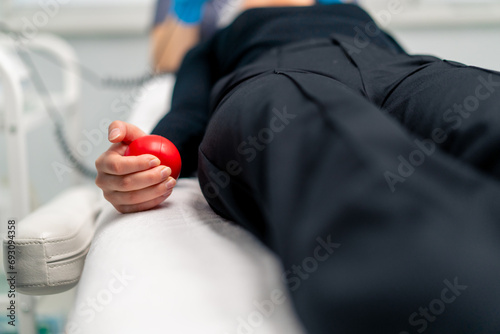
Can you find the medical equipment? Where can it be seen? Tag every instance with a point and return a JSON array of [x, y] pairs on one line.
[[53, 109], [20, 118]]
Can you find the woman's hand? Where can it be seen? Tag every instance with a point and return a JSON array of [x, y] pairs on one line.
[[132, 183]]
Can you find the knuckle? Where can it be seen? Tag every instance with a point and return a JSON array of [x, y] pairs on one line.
[[99, 162], [161, 189], [125, 183], [148, 178], [121, 208], [113, 166], [130, 197], [98, 181], [153, 177], [107, 196]]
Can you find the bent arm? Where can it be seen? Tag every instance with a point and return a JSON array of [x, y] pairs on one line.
[[176, 30], [185, 124], [171, 39]]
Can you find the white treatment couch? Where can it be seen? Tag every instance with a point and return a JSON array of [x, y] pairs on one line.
[[178, 268]]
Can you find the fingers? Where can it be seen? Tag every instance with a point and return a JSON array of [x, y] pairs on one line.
[[142, 206], [127, 198], [131, 183], [119, 131], [134, 181], [113, 163]]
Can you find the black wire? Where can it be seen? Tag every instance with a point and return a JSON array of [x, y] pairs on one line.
[[56, 117], [130, 82], [92, 77], [51, 109], [111, 82]]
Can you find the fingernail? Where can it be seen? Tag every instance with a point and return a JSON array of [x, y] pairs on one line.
[[166, 172], [113, 134], [171, 184], [155, 162]]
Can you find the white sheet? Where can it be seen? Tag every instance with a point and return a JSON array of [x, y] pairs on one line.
[[178, 268]]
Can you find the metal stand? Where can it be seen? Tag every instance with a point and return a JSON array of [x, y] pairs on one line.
[[16, 125]]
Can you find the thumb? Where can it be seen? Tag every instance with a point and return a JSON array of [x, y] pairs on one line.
[[119, 131]]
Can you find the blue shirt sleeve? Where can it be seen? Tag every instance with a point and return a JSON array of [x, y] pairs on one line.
[[208, 23]]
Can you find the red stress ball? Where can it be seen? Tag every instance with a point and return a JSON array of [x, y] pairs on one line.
[[160, 147]]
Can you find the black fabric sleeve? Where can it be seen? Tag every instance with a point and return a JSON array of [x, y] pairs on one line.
[[185, 124]]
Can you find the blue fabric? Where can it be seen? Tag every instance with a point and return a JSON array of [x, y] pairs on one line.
[[163, 7], [211, 12], [329, 2], [188, 11]]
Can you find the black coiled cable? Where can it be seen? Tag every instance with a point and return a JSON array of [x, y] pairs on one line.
[[128, 82], [56, 118], [49, 105], [63, 145]]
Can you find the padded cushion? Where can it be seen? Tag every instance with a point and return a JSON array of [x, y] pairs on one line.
[[52, 242], [179, 268]]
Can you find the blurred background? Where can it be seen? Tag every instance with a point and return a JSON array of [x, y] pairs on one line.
[[110, 39]]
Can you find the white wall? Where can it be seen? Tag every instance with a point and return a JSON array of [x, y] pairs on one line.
[[467, 31], [82, 17], [116, 56], [435, 13]]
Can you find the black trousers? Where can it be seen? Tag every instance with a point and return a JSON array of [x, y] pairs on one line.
[[375, 178]]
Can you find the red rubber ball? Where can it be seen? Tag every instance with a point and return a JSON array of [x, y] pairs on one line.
[[160, 147]]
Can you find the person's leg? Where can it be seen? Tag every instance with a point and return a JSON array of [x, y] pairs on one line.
[[451, 105], [455, 107], [305, 163]]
